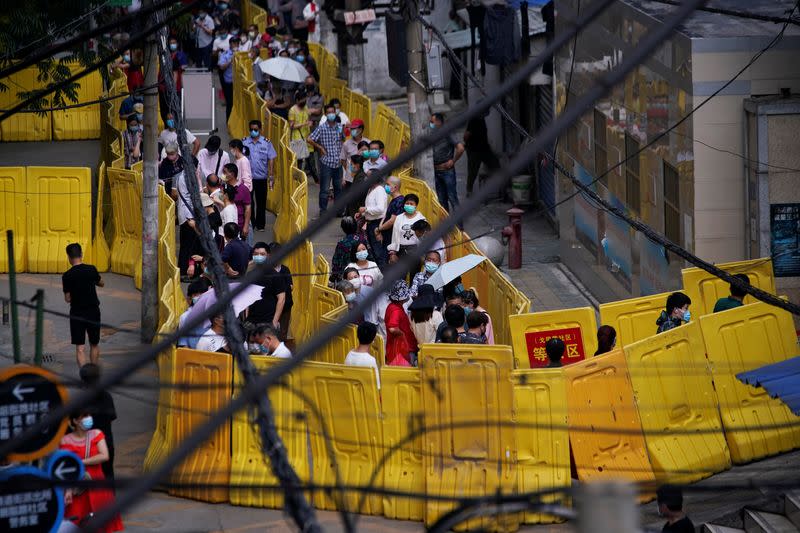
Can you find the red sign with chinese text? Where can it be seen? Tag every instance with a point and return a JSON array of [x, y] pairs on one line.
[[572, 339]]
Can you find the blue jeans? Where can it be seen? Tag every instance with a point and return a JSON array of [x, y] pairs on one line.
[[446, 191], [326, 174]]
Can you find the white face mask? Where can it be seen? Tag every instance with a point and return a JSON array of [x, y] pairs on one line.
[[349, 297], [355, 282]]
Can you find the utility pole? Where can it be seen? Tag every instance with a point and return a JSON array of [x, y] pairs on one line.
[[419, 113], [150, 189], [607, 506], [356, 75]]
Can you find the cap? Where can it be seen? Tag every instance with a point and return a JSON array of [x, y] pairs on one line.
[[206, 200], [357, 123], [138, 108]]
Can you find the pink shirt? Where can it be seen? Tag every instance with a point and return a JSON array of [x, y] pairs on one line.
[[245, 175]]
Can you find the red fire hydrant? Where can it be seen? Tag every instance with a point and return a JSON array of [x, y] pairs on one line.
[[512, 235]]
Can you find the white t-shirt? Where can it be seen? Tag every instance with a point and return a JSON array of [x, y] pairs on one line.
[[168, 136], [221, 45], [207, 163], [370, 165], [355, 358], [211, 341], [370, 275], [282, 351], [228, 214], [402, 234]]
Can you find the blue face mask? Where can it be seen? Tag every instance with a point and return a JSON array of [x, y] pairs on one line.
[[126, 58], [431, 125], [254, 134], [223, 6], [353, 169], [331, 117], [170, 123], [133, 129], [355, 133], [258, 259], [374, 154], [194, 299], [300, 58], [467, 310], [431, 267], [410, 209], [687, 316], [362, 255], [387, 189], [87, 423], [139, 117], [459, 288], [173, 46]]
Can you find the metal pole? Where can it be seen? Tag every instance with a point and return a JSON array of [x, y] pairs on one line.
[[12, 293], [149, 314], [419, 113], [607, 506], [37, 358]]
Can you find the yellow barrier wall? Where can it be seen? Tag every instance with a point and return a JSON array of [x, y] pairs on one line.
[[14, 216], [633, 319], [348, 400], [54, 223], [248, 463], [210, 463], [542, 441], [743, 339], [705, 289], [102, 254], [470, 440], [678, 405], [24, 126], [80, 122], [401, 405], [163, 440], [126, 197], [605, 428], [581, 319]]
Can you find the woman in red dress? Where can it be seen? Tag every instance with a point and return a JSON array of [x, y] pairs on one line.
[[401, 343], [90, 445]]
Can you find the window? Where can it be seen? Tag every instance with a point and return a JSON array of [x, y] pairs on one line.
[[672, 210], [600, 153], [633, 193]]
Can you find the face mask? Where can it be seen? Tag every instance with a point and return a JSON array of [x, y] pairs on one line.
[[254, 134], [87, 423], [223, 35], [459, 288], [223, 6], [170, 123], [337, 110], [353, 169], [362, 255], [173, 46], [252, 34], [365, 154], [133, 129], [207, 271], [331, 117], [410, 209], [126, 58], [258, 259], [431, 125], [431, 267], [356, 283], [467, 310], [349, 297], [194, 299], [354, 133], [201, 15], [291, 50], [374, 154], [687, 316], [139, 117], [300, 58], [387, 189]]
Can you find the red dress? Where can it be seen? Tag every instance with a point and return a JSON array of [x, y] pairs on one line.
[[90, 500], [398, 346]]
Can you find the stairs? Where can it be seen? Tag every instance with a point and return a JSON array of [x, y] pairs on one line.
[[756, 521]]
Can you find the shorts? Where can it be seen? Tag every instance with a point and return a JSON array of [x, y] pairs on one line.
[[79, 328]]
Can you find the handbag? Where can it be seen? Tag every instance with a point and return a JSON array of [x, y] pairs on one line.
[[300, 148]]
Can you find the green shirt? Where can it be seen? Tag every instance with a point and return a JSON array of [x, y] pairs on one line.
[[723, 304]]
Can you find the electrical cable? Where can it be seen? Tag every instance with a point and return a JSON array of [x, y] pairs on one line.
[[84, 36], [106, 59], [135, 92]]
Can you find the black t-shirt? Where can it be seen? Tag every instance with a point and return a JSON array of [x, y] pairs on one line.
[[274, 283], [103, 413], [478, 140], [684, 525], [80, 282]]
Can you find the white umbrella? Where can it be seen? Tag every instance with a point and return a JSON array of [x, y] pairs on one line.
[[285, 69], [450, 270], [242, 301]]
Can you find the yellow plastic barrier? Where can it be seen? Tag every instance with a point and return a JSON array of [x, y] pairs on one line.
[[102, 254], [633, 319], [24, 126], [210, 463], [361, 107], [402, 406], [322, 300], [163, 440], [126, 197], [678, 405], [743, 339], [542, 440], [529, 332], [13, 216], [53, 223], [348, 400], [248, 464], [80, 122], [705, 289], [470, 437], [605, 428]]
